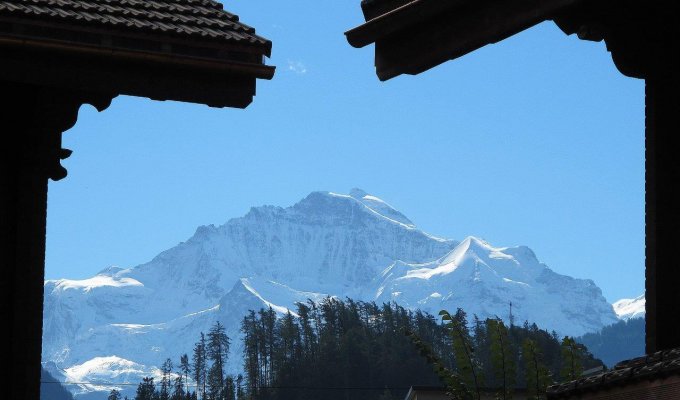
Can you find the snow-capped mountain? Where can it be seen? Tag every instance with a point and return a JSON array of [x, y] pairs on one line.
[[120, 325], [630, 308]]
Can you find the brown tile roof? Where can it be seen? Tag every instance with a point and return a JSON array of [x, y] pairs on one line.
[[183, 50], [190, 19], [653, 366]]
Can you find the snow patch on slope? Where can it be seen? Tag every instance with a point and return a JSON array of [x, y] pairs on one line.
[[627, 309], [95, 282], [102, 374]]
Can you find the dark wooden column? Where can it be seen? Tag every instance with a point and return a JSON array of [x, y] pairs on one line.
[[33, 119], [662, 152], [641, 37]]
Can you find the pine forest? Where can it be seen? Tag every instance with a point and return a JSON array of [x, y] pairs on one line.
[[346, 349]]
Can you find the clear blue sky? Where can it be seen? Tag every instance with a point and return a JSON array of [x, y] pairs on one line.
[[536, 141]]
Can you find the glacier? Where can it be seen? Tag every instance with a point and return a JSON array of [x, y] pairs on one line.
[[112, 329]]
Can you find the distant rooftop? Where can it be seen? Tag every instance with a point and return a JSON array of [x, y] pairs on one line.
[[654, 367]]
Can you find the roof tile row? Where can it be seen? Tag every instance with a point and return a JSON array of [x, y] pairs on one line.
[[654, 365], [194, 18]]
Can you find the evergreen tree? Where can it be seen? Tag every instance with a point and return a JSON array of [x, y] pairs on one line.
[[229, 391], [166, 380], [185, 368], [240, 390], [217, 351], [456, 387], [146, 390], [267, 344], [200, 366], [536, 373], [463, 351], [251, 361], [308, 335], [114, 395], [289, 350], [572, 359], [502, 357], [178, 392]]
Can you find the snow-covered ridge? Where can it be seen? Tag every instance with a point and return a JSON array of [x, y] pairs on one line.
[[328, 244], [95, 282], [630, 308]]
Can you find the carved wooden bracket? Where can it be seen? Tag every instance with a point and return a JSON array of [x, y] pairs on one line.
[[39, 115], [638, 34]]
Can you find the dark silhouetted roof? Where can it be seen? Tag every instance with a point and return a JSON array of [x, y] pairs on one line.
[[654, 366], [412, 36], [201, 19], [186, 50]]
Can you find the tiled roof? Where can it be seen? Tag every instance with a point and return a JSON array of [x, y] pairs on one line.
[[656, 365], [190, 19]]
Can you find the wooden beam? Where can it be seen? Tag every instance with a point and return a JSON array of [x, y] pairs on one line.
[[147, 75], [34, 118]]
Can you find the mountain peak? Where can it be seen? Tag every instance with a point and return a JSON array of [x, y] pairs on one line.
[[328, 244], [380, 207], [476, 243], [469, 247], [111, 270], [323, 203]]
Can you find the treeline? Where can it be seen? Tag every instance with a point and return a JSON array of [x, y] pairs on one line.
[[336, 349], [617, 342], [489, 356], [360, 350]]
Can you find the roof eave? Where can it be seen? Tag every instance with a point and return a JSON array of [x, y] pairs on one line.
[[146, 74], [395, 20], [260, 71], [403, 36]]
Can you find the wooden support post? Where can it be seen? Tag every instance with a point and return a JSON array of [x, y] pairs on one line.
[[662, 219], [33, 119]]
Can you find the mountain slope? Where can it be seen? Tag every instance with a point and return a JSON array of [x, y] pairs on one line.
[[50, 389], [627, 309], [617, 342], [352, 245], [484, 280]]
